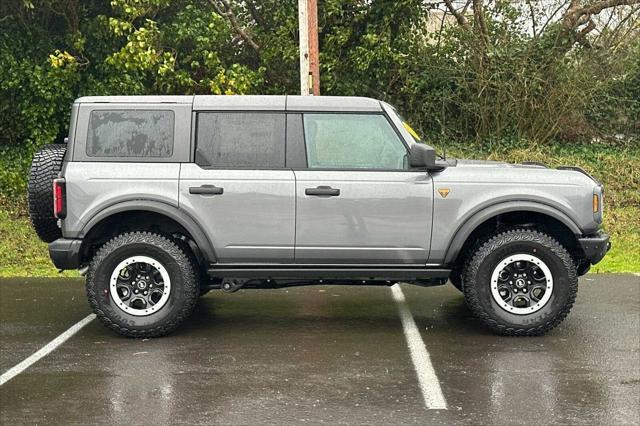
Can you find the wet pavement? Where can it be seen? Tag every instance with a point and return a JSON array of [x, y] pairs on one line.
[[321, 355]]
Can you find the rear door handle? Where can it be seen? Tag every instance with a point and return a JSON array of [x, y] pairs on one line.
[[206, 190], [326, 191]]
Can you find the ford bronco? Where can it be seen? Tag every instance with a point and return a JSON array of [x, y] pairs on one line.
[[159, 199]]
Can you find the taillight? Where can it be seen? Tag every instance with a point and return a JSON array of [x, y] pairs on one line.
[[59, 195]]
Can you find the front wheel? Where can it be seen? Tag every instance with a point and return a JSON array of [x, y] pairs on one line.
[[142, 284], [520, 282]]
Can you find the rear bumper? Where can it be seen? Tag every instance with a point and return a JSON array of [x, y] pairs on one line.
[[595, 246], [65, 253]]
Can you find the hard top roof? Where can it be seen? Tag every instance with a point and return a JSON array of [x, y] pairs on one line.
[[251, 102]]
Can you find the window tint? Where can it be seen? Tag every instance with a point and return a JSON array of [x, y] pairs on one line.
[[350, 141], [132, 133], [241, 139]]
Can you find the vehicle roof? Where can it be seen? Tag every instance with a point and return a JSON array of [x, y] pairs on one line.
[[251, 102], [135, 99]]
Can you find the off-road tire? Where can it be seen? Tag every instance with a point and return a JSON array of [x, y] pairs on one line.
[[176, 260], [477, 282], [45, 166]]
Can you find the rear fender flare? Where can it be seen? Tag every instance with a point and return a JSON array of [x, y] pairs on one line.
[[172, 212]]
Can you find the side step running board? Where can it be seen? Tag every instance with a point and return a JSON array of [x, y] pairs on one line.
[[329, 273]]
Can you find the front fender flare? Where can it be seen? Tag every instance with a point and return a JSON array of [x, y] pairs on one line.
[[487, 213], [172, 212]]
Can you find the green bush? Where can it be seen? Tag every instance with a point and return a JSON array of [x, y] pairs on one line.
[[488, 80]]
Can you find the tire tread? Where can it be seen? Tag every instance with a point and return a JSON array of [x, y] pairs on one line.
[[45, 166]]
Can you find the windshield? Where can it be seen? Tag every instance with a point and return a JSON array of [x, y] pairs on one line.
[[408, 127], [416, 137]]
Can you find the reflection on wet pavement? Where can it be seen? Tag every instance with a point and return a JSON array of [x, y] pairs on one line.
[[321, 354]]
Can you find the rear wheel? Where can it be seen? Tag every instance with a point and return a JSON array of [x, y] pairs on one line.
[[142, 284], [520, 282]]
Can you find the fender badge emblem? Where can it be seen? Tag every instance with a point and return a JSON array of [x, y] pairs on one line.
[[444, 192]]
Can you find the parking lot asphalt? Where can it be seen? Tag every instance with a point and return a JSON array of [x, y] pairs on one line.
[[327, 354]]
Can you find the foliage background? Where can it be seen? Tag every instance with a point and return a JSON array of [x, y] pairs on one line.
[[556, 81]]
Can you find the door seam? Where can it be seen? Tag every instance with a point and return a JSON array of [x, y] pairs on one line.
[[295, 215]]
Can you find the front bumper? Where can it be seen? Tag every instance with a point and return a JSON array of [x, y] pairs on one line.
[[595, 246], [65, 253]]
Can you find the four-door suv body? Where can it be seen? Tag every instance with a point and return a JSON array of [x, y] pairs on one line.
[[160, 199]]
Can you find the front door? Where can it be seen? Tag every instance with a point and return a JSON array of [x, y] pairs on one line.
[[357, 200], [238, 188]]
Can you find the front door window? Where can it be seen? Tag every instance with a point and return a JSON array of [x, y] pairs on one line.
[[353, 141]]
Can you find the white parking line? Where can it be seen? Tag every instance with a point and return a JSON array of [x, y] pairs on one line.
[[429, 384], [46, 350]]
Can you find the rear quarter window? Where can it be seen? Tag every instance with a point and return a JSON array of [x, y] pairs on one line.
[[241, 139], [130, 133]]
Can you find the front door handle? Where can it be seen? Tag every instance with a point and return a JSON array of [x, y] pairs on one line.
[[206, 190], [325, 191]]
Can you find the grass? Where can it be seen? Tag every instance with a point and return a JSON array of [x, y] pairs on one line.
[[23, 254]]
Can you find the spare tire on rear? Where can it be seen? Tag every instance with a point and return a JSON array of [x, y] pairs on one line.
[[45, 166]]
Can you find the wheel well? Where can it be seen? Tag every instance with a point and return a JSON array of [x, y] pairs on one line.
[[136, 220], [522, 219]]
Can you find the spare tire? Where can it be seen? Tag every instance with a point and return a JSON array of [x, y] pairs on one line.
[[45, 166]]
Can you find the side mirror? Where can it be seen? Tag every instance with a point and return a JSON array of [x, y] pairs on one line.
[[422, 155]]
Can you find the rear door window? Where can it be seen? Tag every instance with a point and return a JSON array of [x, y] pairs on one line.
[[241, 139], [131, 133]]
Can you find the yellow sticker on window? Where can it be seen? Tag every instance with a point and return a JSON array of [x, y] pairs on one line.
[[411, 131]]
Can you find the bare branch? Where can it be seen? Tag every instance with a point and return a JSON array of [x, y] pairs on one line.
[[532, 12], [595, 8], [581, 36], [577, 15], [550, 18], [226, 11], [613, 36], [462, 21]]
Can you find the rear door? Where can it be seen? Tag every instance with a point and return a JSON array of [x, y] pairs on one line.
[[357, 200], [238, 189]]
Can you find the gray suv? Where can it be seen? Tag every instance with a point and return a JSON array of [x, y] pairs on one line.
[[161, 199]]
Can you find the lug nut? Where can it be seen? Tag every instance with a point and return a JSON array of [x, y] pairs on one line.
[[145, 293]]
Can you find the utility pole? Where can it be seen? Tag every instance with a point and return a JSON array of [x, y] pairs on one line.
[[314, 49], [303, 26], [309, 49]]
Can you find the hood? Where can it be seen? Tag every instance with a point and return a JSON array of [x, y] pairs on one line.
[[526, 165], [487, 163]]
